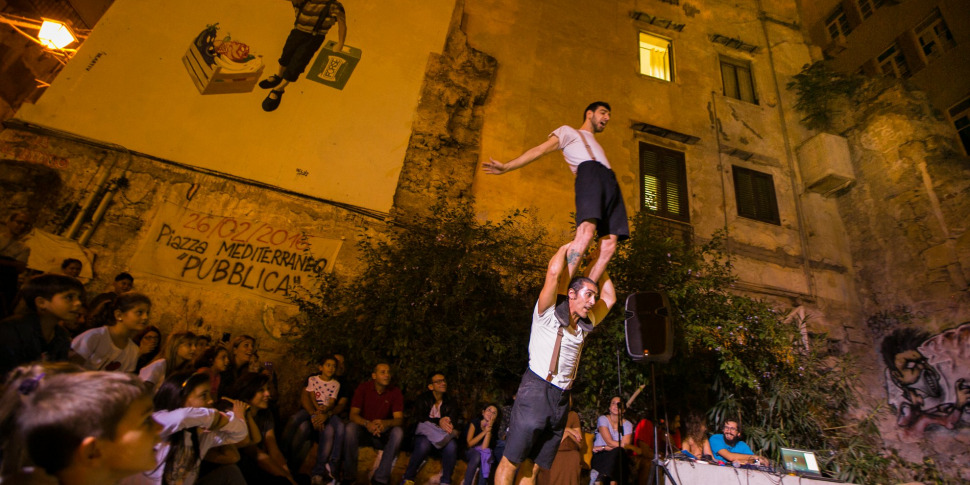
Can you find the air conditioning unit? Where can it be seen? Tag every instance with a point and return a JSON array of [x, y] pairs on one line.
[[825, 164], [835, 47]]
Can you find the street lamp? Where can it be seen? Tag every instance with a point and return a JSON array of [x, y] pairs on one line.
[[55, 35]]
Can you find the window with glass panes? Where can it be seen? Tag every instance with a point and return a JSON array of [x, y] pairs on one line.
[[663, 187], [754, 193], [892, 62], [655, 57], [837, 23], [868, 7], [934, 36], [960, 114], [737, 81]]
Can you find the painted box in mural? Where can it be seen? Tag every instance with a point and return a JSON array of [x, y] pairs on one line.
[[221, 66], [334, 68]]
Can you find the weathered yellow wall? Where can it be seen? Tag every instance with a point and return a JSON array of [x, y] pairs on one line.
[[127, 85]]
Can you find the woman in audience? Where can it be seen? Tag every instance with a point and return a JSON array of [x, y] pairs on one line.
[[149, 342], [609, 458], [241, 350], [213, 361], [696, 435], [177, 356], [480, 443], [261, 462], [189, 429]]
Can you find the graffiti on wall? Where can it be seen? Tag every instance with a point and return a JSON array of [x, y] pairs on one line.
[[238, 255], [928, 377]]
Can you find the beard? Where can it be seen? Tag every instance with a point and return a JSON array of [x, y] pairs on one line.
[[733, 441]]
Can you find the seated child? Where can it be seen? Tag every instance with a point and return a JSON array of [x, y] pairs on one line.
[[87, 428], [36, 335], [111, 347], [213, 361], [177, 355], [189, 429]]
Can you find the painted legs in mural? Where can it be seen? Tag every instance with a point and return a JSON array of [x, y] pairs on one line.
[[599, 202], [313, 20]]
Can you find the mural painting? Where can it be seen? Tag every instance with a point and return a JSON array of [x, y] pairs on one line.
[[928, 377]]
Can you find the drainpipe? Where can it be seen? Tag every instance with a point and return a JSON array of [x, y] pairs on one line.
[[103, 206], [89, 200], [795, 174]]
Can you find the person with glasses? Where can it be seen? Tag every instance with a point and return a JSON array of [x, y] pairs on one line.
[[729, 447], [437, 414]]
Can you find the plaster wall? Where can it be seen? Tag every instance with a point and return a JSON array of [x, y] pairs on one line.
[[554, 58]]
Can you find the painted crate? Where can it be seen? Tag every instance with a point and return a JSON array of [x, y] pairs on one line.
[[214, 79]]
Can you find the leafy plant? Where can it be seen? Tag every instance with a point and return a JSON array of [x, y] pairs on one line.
[[817, 87]]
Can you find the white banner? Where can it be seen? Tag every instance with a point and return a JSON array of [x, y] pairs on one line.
[[240, 256]]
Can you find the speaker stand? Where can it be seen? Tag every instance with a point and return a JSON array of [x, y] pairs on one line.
[[655, 477]]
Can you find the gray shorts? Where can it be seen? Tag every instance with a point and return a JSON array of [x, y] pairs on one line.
[[538, 420]]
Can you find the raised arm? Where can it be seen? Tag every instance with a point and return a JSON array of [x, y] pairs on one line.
[[496, 167], [606, 300], [554, 273]]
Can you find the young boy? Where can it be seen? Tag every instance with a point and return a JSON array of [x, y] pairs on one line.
[[89, 427], [36, 335]]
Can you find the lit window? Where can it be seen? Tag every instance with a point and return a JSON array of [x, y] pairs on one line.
[[934, 36], [655, 57], [736, 80], [664, 188], [960, 114], [867, 7], [838, 24], [892, 62], [754, 193]]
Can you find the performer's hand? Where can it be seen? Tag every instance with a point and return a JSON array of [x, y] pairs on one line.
[[494, 167]]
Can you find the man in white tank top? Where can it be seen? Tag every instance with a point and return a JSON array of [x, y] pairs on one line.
[[599, 203]]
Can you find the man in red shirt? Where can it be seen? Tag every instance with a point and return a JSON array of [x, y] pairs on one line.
[[376, 416]]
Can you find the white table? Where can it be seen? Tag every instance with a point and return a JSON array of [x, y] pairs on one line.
[[699, 473]]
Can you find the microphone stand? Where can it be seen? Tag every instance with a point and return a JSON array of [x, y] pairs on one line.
[[655, 477]]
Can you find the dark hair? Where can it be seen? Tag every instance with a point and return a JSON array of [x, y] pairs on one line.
[[149, 329], [122, 303], [594, 105], [578, 282], [327, 357], [176, 388], [901, 340], [208, 356], [124, 276], [67, 262], [46, 286], [435, 373], [696, 427], [734, 419], [247, 386], [67, 408], [171, 395], [20, 382]]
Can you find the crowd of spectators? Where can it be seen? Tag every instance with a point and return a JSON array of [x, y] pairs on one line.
[[193, 411]]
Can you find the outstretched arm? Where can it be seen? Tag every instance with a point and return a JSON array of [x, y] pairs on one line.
[[496, 167], [555, 272]]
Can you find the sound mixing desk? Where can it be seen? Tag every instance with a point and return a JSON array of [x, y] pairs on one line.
[[701, 473]]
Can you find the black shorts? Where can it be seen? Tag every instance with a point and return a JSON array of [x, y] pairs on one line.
[[538, 420], [598, 198]]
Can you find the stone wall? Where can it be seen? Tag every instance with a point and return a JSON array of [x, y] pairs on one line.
[[906, 217]]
